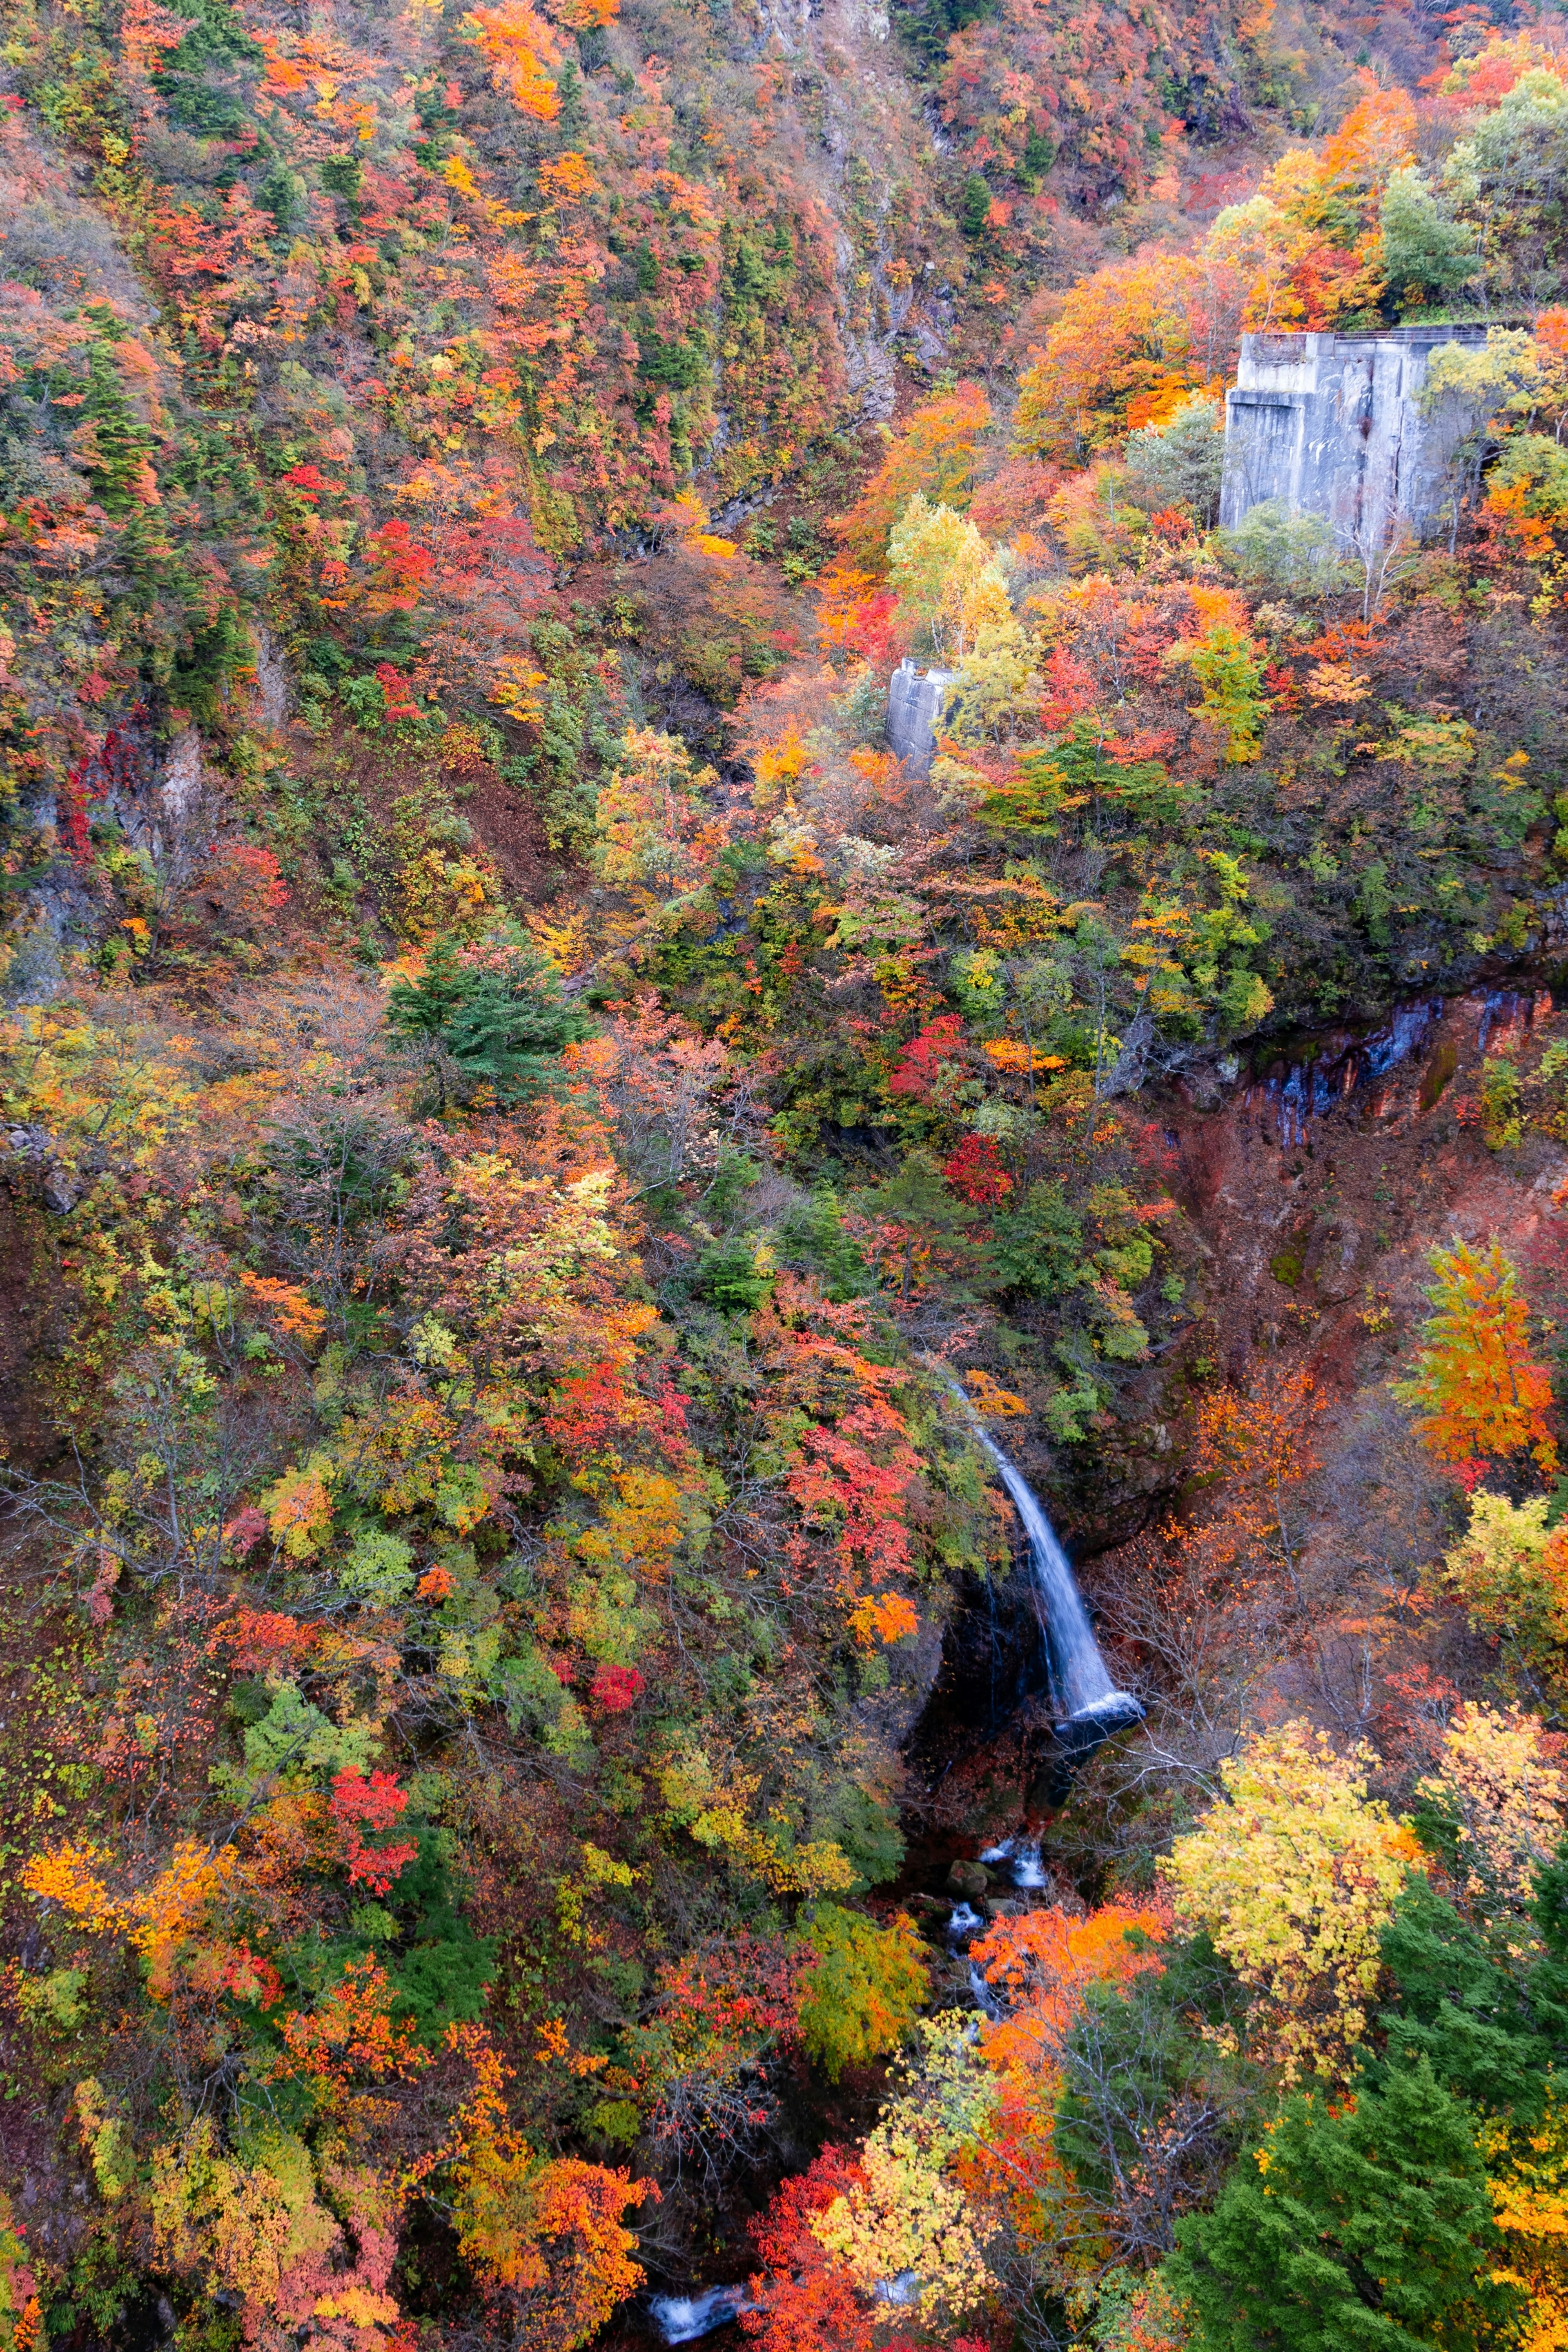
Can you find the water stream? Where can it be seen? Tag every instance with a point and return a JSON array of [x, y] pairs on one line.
[[681, 2318], [1021, 1856], [1091, 1709]]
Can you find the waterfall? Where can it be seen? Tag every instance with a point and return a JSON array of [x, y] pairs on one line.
[[1081, 1682]]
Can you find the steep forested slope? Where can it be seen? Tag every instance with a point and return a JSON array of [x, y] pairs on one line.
[[536, 1151]]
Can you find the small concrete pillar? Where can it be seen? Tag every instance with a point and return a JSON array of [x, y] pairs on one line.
[[914, 705]]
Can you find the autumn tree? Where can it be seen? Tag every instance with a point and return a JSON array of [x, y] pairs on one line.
[[908, 2212], [1496, 1800], [1126, 349], [1046, 1972], [943, 575], [807, 2300], [1293, 1873], [864, 1990], [935, 455], [1477, 1393], [654, 833], [702, 2063], [546, 2236], [1509, 1572], [1227, 662]]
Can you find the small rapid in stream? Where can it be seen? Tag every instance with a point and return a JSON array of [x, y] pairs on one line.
[[682, 2318]]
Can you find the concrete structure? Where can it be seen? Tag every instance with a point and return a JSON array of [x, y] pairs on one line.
[[1330, 425], [914, 705]]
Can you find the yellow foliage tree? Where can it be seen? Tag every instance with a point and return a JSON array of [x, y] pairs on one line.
[[653, 833], [550, 2233], [1293, 1873], [942, 572], [909, 2218], [1530, 2201], [1507, 1800], [300, 1511], [160, 1920], [245, 2222], [1511, 1572]]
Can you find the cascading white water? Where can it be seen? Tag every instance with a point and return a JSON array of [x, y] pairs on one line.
[[1081, 1679], [984, 2000], [1021, 1856], [681, 2318]]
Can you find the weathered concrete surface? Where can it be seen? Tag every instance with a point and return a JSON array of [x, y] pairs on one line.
[[1332, 425], [914, 705]]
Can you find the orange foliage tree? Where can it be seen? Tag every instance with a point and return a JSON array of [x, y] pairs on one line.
[[937, 453], [1477, 1393], [1126, 344], [807, 2301], [1042, 1967], [547, 2236]]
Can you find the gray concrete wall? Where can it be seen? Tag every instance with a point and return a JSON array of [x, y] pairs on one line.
[[914, 705], [1332, 425]]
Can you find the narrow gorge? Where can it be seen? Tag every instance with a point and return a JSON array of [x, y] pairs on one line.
[[783, 1188]]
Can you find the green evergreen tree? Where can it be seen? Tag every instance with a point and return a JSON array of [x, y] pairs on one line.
[[504, 1024], [975, 206], [1485, 2035], [423, 1007], [1179, 463], [1363, 2227]]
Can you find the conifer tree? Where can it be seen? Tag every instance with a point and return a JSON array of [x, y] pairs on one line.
[[1360, 2223], [496, 1009]]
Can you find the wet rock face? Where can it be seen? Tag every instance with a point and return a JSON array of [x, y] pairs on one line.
[[1348, 1159], [184, 776], [1314, 1184], [1313, 1178]]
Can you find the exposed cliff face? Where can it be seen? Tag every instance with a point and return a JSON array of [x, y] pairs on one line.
[[1313, 1191], [1317, 1185]]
